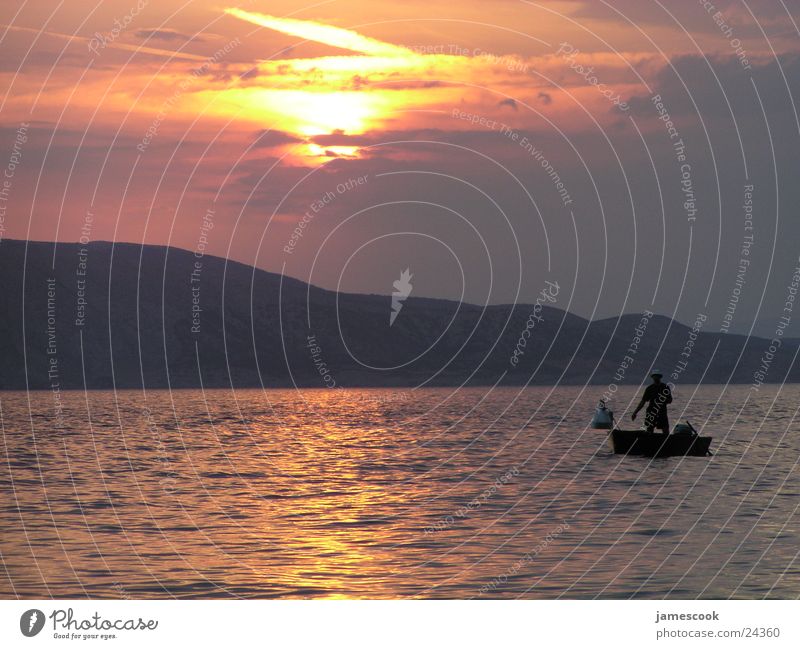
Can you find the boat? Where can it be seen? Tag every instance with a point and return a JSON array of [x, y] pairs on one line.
[[642, 442]]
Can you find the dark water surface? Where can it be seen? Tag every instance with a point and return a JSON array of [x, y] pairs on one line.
[[392, 493]]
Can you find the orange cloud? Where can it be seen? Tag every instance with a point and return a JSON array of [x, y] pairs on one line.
[[321, 33]]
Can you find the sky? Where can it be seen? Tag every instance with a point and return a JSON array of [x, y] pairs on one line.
[[639, 153]]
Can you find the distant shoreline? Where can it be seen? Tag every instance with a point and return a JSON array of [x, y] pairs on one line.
[[139, 317], [347, 388]]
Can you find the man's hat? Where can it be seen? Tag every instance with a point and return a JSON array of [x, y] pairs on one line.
[[657, 373]]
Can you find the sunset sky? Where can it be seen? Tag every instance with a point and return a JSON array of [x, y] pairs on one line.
[[499, 143]]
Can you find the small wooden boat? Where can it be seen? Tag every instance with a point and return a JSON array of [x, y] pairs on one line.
[[640, 442]]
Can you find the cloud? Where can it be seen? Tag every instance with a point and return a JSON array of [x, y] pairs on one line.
[[508, 102], [268, 138], [692, 16], [322, 33], [166, 34], [545, 98], [717, 84], [374, 138], [252, 73], [95, 44]]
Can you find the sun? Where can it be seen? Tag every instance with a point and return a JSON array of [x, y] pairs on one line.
[[307, 113], [350, 94], [320, 113]]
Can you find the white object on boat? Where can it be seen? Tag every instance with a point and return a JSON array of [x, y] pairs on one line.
[[684, 429], [603, 417]]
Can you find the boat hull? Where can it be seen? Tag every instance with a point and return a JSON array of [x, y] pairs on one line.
[[640, 442]]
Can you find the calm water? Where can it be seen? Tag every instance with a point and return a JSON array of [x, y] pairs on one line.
[[385, 493]]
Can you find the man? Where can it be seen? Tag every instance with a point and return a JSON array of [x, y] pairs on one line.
[[656, 395]]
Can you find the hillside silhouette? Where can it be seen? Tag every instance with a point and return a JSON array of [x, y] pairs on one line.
[[259, 328]]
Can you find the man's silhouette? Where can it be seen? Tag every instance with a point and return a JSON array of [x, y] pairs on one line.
[[656, 395]]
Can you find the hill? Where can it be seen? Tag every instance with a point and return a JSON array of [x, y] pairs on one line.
[[127, 316]]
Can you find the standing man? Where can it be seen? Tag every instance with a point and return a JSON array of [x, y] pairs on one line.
[[656, 395]]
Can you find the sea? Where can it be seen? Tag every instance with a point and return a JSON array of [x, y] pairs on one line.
[[458, 493]]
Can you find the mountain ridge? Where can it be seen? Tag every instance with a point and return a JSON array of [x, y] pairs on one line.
[[253, 329]]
